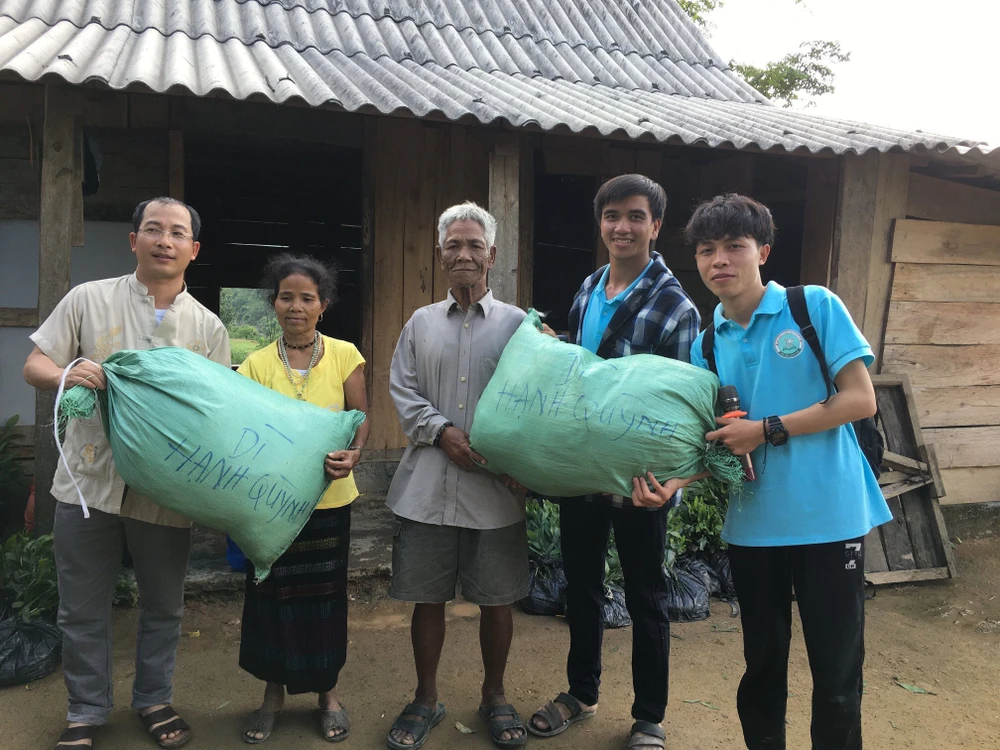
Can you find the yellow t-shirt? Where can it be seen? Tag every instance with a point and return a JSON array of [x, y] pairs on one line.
[[325, 389]]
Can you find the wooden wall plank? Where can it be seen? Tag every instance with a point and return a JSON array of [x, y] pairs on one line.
[[946, 242], [526, 233], [947, 323], [971, 485], [420, 222], [368, 291], [942, 366], [819, 219], [726, 173], [968, 406], [853, 231], [175, 164], [505, 188], [920, 282], [18, 317], [942, 200], [890, 204], [964, 447], [875, 553]]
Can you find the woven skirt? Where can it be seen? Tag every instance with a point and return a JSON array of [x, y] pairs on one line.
[[294, 629]]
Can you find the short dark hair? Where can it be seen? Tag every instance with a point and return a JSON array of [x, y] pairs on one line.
[[625, 186], [730, 216], [280, 267], [140, 210]]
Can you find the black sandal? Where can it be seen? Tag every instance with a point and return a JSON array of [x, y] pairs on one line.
[[171, 722], [75, 734], [655, 742], [259, 722], [330, 721], [418, 730], [497, 726], [557, 724]]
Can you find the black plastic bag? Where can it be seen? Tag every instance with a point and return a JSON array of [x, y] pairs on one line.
[[615, 612], [704, 571], [546, 589], [718, 561], [28, 650], [687, 591]]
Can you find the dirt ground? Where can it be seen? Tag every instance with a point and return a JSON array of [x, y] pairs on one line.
[[943, 637]]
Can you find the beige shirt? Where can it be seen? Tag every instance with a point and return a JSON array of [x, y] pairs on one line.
[[95, 320], [443, 361]]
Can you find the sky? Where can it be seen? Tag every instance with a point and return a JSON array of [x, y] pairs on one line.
[[915, 64]]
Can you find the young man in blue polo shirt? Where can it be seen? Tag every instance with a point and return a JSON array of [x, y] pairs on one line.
[[632, 305], [803, 521]]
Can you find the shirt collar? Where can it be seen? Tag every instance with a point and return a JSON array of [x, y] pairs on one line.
[[139, 288], [771, 303], [486, 304], [603, 282]]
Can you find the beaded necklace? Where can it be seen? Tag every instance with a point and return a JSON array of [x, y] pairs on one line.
[[302, 383]]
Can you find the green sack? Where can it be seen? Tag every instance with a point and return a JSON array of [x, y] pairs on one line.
[[216, 447], [564, 422]]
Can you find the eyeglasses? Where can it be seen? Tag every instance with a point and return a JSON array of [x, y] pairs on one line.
[[156, 234]]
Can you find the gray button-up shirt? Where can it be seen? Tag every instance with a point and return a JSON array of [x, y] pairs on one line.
[[443, 361]]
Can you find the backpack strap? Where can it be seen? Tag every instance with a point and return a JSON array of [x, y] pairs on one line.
[[800, 313], [708, 348]]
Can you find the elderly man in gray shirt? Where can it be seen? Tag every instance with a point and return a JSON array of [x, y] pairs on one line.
[[454, 520]]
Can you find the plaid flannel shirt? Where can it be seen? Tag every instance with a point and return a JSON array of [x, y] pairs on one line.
[[658, 317]]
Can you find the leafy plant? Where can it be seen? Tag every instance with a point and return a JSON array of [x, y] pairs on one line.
[[29, 576], [543, 530], [243, 332], [11, 471], [696, 524], [613, 573]]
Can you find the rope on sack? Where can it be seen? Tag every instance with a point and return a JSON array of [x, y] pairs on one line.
[[76, 406]]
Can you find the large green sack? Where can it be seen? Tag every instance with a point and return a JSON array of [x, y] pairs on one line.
[[564, 422], [203, 441]]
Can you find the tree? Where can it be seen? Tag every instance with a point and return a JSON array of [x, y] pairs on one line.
[[805, 72]]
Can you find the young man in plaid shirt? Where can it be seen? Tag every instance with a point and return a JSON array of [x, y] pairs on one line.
[[633, 305]]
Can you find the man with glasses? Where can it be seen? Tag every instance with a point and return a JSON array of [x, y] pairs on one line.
[[147, 309]]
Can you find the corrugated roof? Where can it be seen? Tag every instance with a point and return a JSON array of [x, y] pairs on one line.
[[639, 67]]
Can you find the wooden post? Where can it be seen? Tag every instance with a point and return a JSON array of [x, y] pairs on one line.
[[175, 163], [505, 205], [526, 249], [60, 183], [368, 152], [820, 217]]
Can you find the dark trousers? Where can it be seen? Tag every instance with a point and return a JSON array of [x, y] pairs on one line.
[[641, 538], [829, 590]]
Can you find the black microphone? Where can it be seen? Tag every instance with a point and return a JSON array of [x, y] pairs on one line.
[[729, 405]]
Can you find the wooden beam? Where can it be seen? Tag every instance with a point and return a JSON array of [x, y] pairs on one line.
[[18, 317], [971, 485], [505, 188], [59, 183], [526, 234], [942, 366], [854, 230], [965, 447], [909, 576], [920, 282], [946, 323], [941, 200], [367, 281], [899, 462], [958, 406], [820, 217], [946, 242], [890, 204], [175, 163]]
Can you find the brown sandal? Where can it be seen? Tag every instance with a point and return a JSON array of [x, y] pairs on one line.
[[75, 734], [169, 721]]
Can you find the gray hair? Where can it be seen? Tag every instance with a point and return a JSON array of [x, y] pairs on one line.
[[466, 211]]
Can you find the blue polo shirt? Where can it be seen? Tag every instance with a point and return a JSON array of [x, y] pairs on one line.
[[600, 309], [816, 488]]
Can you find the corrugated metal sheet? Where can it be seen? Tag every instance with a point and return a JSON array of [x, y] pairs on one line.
[[636, 67]]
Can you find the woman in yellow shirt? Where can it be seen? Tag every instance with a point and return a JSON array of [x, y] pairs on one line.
[[294, 630]]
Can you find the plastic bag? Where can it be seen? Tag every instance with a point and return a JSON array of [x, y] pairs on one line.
[[718, 561], [687, 592], [547, 589], [594, 424], [615, 612], [28, 650], [704, 571], [214, 446]]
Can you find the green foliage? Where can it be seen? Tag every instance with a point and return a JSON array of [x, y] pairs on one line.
[[29, 575], [613, 574], [242, 348], [696, 524], [806, 72], [248, 307], [697, 9], [11, 471], [543, 530], [243, 332]]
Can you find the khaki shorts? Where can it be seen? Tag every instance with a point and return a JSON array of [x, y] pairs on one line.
[[428, 562]]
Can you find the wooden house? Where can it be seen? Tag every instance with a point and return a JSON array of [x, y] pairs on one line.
[[343, 128]]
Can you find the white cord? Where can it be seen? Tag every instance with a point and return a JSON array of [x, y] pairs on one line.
[[55, 430]]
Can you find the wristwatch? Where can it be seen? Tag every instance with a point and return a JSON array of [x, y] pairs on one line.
[[774, 431], [437, 438]]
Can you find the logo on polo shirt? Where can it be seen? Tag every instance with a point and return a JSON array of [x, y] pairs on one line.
[[788, 344]]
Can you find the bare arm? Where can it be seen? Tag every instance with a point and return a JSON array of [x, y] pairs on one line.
[[854, 400], [44, 374], [340, 463]]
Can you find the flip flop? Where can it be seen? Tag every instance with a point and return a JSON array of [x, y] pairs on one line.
[[259, 721], [419, 730], [557, 724]]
